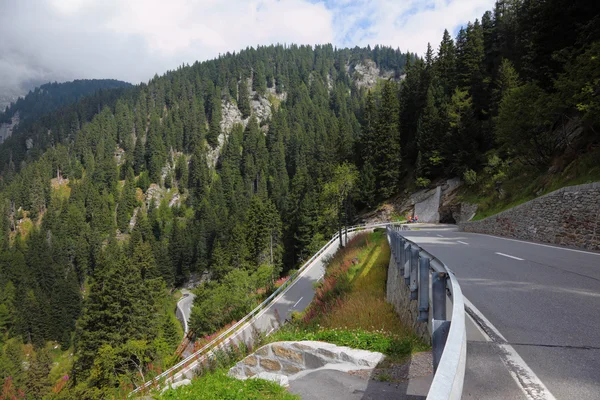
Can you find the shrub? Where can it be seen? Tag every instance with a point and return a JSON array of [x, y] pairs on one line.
[[422, 182], [470, 177]]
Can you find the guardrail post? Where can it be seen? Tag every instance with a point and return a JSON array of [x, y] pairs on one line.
[[414, 261], [440, 326], [406, 265], [423, 289], [401, 255]]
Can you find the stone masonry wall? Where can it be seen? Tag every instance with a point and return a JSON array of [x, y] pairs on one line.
[[398, 294], [569, 216]]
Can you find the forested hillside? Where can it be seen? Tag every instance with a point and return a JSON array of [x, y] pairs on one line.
[[236, 169], [50, 96]]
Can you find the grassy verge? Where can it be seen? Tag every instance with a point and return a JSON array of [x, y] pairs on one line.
[[217, 385], [212, 382], [526, 183], [349, 308]]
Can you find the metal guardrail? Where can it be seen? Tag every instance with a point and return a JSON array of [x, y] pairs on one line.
[[206, 350], [430, 282]]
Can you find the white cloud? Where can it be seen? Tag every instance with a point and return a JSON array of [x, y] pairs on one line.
[[407, 24], [134, 39]]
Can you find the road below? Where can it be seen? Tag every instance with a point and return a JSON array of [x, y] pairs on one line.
[[184, 306], [538, 307], [295, 298]]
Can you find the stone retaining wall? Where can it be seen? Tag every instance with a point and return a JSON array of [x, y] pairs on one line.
[[398, 294], [569, 216], [279, 360]]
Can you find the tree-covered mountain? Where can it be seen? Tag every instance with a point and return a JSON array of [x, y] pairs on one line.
[[238, 168], [50, 96]]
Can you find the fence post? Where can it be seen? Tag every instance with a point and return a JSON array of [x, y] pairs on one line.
[[414, 262], [440, 326], [423, 289]]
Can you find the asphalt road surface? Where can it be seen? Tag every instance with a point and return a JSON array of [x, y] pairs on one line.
[[537, 313], [185, 307]]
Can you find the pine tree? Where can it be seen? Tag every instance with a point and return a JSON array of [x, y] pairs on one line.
[[156, 153], [215, 119], [388, 157], [445, 63], [244, 99], [127, 202], [38, 374], [430, 137], [259, 80], [139, 156], [368, 185]]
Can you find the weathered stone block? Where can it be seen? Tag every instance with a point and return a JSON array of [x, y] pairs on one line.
[[289, 354], [250, 360], [291, 369], [327, 353], [270, 365], [264, 351]]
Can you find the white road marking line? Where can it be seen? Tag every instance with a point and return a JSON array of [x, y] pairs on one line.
[[439, 235], [540, 244], [509, 256], [483, 319], [297, 302], [526, 379], [462, 242]]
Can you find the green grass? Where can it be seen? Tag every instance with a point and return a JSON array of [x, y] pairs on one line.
[[396, 346], [217, 385], [350, 304], [527, 183]]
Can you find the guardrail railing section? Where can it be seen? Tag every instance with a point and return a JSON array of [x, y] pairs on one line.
[[431, 283]]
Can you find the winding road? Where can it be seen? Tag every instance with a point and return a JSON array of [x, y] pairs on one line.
[[534, 328], [295, 297]]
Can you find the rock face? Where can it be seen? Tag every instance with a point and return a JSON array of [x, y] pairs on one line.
[[569, 216], [428, 210], [231, 115], [367, 73], [284, 361], [7, 129], [430, 205]]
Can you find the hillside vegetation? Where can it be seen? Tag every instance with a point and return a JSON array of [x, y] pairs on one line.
[[234, 170], [50, 96]]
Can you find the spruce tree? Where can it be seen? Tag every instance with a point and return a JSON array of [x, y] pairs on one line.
[[244, 99], [387, 155], [215, 119]]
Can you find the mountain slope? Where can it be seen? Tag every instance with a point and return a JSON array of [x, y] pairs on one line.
[[233, 170]]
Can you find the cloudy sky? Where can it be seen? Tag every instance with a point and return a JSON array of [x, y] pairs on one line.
[[131, 40]]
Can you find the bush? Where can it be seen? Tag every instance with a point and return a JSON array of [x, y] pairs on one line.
[[422, 182], [470, 177]]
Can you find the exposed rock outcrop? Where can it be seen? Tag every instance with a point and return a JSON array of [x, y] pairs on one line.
[[429, 205], [231, 115], [6, 130], [367, 73]]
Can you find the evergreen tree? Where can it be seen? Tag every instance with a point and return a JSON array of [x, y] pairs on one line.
[[38, 374], [127, 202], [387, 153], [259, 80], [215, 118], [244, 99], [430, 137]]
